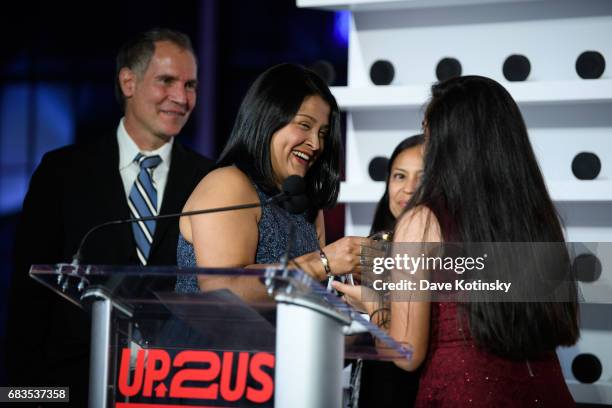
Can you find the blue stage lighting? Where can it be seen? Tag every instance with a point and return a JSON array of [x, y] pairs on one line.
[[341, 27]]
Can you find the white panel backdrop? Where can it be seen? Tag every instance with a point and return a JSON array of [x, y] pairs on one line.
[[564, 113]]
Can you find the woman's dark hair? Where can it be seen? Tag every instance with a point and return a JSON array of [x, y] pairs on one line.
[[482, 182], [270, 104], [383, 219]]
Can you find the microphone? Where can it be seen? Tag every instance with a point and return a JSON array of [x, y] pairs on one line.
[[297, 202], [292, 198], [294, 186]]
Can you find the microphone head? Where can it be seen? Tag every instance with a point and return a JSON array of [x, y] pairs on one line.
[[294, 186], [296, 204]]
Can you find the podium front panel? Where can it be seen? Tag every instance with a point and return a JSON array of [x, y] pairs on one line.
[[215, 347]]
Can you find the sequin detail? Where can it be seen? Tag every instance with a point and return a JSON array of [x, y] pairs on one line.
[[456, 373]]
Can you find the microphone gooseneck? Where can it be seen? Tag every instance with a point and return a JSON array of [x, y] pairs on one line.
[[296, 203], [292, 197]]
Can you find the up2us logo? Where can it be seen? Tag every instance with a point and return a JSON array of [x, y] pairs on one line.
[[201, 376]]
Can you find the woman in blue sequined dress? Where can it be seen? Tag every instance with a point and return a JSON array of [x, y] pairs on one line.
[[287, 124]]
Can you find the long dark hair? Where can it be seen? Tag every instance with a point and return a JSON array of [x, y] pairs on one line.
[[383, 219], [482, 181], [270, 104]]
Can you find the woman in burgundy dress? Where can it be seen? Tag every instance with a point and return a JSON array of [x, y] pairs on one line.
[[481, 183]]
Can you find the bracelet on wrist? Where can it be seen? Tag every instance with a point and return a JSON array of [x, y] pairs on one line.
[[384, 320], [325, 263]]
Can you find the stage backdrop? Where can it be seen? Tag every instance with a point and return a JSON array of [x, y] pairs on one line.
[[551, 56]]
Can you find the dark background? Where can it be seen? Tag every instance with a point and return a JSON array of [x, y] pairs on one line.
[[57, 74]]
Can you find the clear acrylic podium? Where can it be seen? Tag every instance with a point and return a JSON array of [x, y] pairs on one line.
[[250, 337]]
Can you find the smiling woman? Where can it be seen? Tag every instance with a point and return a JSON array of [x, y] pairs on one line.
[[287, 124], [404, 171], [296, 146]]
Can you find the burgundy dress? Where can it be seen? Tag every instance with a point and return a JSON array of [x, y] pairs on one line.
[[456, 373]]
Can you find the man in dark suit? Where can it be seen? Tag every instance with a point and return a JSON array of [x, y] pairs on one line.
[[77, 187]]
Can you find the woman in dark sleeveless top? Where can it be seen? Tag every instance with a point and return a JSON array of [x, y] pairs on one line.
[[482, 184], [287, 124], [272, 241]]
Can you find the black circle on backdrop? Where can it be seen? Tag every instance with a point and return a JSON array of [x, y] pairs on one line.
[[586, 166], [590, 65], [382, 72], [586, 368], [448, 68], [325, 70], [378, 168], [587, 268], [516, 67]]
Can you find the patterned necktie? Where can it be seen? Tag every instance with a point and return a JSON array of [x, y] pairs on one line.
[[143, 203]]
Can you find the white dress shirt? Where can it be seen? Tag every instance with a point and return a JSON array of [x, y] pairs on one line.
[[129, 169]]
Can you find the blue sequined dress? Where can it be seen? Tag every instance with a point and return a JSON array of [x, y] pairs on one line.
[[272, 244]]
